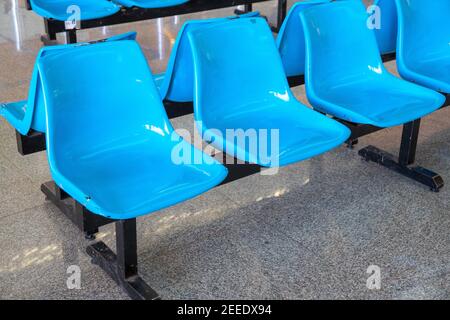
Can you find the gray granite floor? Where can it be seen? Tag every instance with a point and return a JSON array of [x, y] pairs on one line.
[[310, 232]]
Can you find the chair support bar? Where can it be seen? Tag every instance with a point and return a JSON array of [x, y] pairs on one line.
[[406, 158], [31, 143], [122, 266], [87, 222]]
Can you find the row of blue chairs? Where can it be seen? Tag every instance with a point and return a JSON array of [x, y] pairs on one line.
[[110, 142], [90, 9], [344, 76]]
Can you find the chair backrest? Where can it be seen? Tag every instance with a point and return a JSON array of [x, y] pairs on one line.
[[35, 117], [291, 41], [99, 97], [339, 46], [237, 66], [179, 77], [423, 29], [387, 32]]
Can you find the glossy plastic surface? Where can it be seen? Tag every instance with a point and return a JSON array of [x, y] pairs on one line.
[[345, 76], [387, 33], [291, 41], [423, 51], [89, 9], [240, 85], [30, 114], [109, 141], [176, 84], [149, 4]]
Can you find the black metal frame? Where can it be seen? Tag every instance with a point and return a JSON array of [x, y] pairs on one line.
[[134, 14]]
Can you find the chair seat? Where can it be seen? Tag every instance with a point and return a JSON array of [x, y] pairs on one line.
[[350, 82], [130, 178], [384, 101], [433, 73], [57, 9], [149, 4], [302, 132]]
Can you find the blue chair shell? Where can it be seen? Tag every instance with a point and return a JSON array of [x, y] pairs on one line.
[[423, 49], [387, 32], [176, 84], [30, 114], [89, 9], [109, 142], [290, 40], [345, 76], [150, 4], [240, 86]]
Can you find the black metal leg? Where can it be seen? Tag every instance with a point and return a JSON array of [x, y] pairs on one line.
[[71, 36], [31, 143], [351, 143], [406, 157], [123, 266], [50, 37], [281, 14], [28, 5], [408, 146]]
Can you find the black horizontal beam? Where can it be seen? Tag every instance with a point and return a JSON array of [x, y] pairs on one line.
[[134, 14]]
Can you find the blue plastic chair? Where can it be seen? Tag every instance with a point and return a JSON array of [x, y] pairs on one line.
[[120, 165], [150, 4], [423, 50], [291, 41], [176, 84], [240, 85], [387, 34], [345, 76], [30, 114], [89, 9]]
